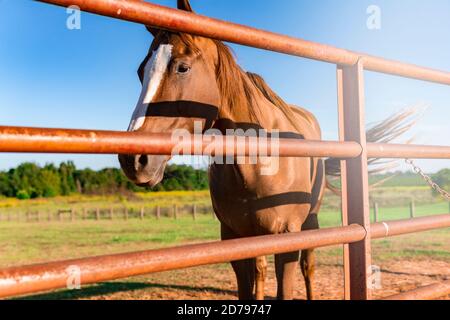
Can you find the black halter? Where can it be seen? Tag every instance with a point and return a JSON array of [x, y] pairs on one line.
[[210, 113], [184, 109]]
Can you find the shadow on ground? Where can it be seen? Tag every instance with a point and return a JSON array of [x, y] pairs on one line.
[[116, 287]]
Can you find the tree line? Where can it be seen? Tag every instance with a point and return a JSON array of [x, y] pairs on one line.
[[30, 180]]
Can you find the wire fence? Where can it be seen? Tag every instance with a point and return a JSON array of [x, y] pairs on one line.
[[108, 214]]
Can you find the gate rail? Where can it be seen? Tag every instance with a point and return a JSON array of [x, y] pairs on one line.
[[48, 276]]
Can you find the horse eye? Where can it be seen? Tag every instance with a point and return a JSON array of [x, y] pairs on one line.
[[183, 68]]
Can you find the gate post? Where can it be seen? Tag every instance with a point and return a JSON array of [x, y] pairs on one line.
[[355, 180]]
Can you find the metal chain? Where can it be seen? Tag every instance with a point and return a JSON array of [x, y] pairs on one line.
[[428, 179]]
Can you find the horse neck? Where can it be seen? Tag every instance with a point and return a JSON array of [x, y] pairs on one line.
[[251, 108]]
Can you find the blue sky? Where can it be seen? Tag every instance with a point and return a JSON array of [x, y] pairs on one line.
[[54, 77]]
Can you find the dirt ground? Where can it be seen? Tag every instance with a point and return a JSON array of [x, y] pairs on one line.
[[217, 282]]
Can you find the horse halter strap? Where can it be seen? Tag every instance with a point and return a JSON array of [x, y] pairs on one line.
[[210, 113], [184, 109]]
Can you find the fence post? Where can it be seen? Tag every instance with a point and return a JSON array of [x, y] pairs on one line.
[[142, 213], [355, 178], [158, 212], [412, 209], [375, 211], [194, 212], [97, 214], [111, 213], [175, 212]]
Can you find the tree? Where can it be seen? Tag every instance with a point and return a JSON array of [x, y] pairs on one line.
[[5, 185], [29, 180], [66, 172], [442, 178]]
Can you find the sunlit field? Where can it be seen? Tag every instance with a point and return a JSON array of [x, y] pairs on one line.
[[23, 242]]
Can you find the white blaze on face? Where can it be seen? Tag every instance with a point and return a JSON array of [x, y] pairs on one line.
[[153, 74]]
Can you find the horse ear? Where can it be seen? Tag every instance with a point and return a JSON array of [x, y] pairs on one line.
[[184, 5], [153, 31]]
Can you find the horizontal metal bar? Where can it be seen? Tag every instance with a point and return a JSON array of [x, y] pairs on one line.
[[39, 140], [42, 140], [29, 279], [403, 151], [430, 292], [176, 20], [401, 227]]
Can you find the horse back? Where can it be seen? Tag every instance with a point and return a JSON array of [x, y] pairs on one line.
[[311, 127]]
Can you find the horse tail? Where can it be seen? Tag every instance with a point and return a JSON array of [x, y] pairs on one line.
[[382, 132]]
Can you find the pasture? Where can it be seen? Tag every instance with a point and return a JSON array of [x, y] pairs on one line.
[[406, 261]]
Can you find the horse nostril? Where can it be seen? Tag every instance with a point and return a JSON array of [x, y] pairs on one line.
[[143, 160]]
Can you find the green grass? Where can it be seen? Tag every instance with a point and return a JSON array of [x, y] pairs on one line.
[[329, 218], [37, 242], [24, 243]]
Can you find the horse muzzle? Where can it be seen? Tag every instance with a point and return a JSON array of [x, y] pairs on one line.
[[144, 170]]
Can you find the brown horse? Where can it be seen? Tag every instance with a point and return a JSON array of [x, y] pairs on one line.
[[187, 79]]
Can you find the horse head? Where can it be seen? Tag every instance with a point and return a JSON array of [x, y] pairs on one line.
[[179, 91]]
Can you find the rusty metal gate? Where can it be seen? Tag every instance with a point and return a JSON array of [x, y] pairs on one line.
[[356, 233]]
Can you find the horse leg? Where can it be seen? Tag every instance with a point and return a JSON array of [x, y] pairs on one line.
[[244, 269], [307, 265], [245, 276], [285, 267], [307, 260], [261, 272]]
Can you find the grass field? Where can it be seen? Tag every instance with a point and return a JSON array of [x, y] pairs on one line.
[[26, 243]]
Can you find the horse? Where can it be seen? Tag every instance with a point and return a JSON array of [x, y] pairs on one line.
[[189, 79]]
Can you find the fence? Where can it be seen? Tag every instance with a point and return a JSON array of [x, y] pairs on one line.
[[111, 213], [376, 209], [356, 234], [124, 212]]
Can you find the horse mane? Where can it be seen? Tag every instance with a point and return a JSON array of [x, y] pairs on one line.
[[274, 98], [238, 88]]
